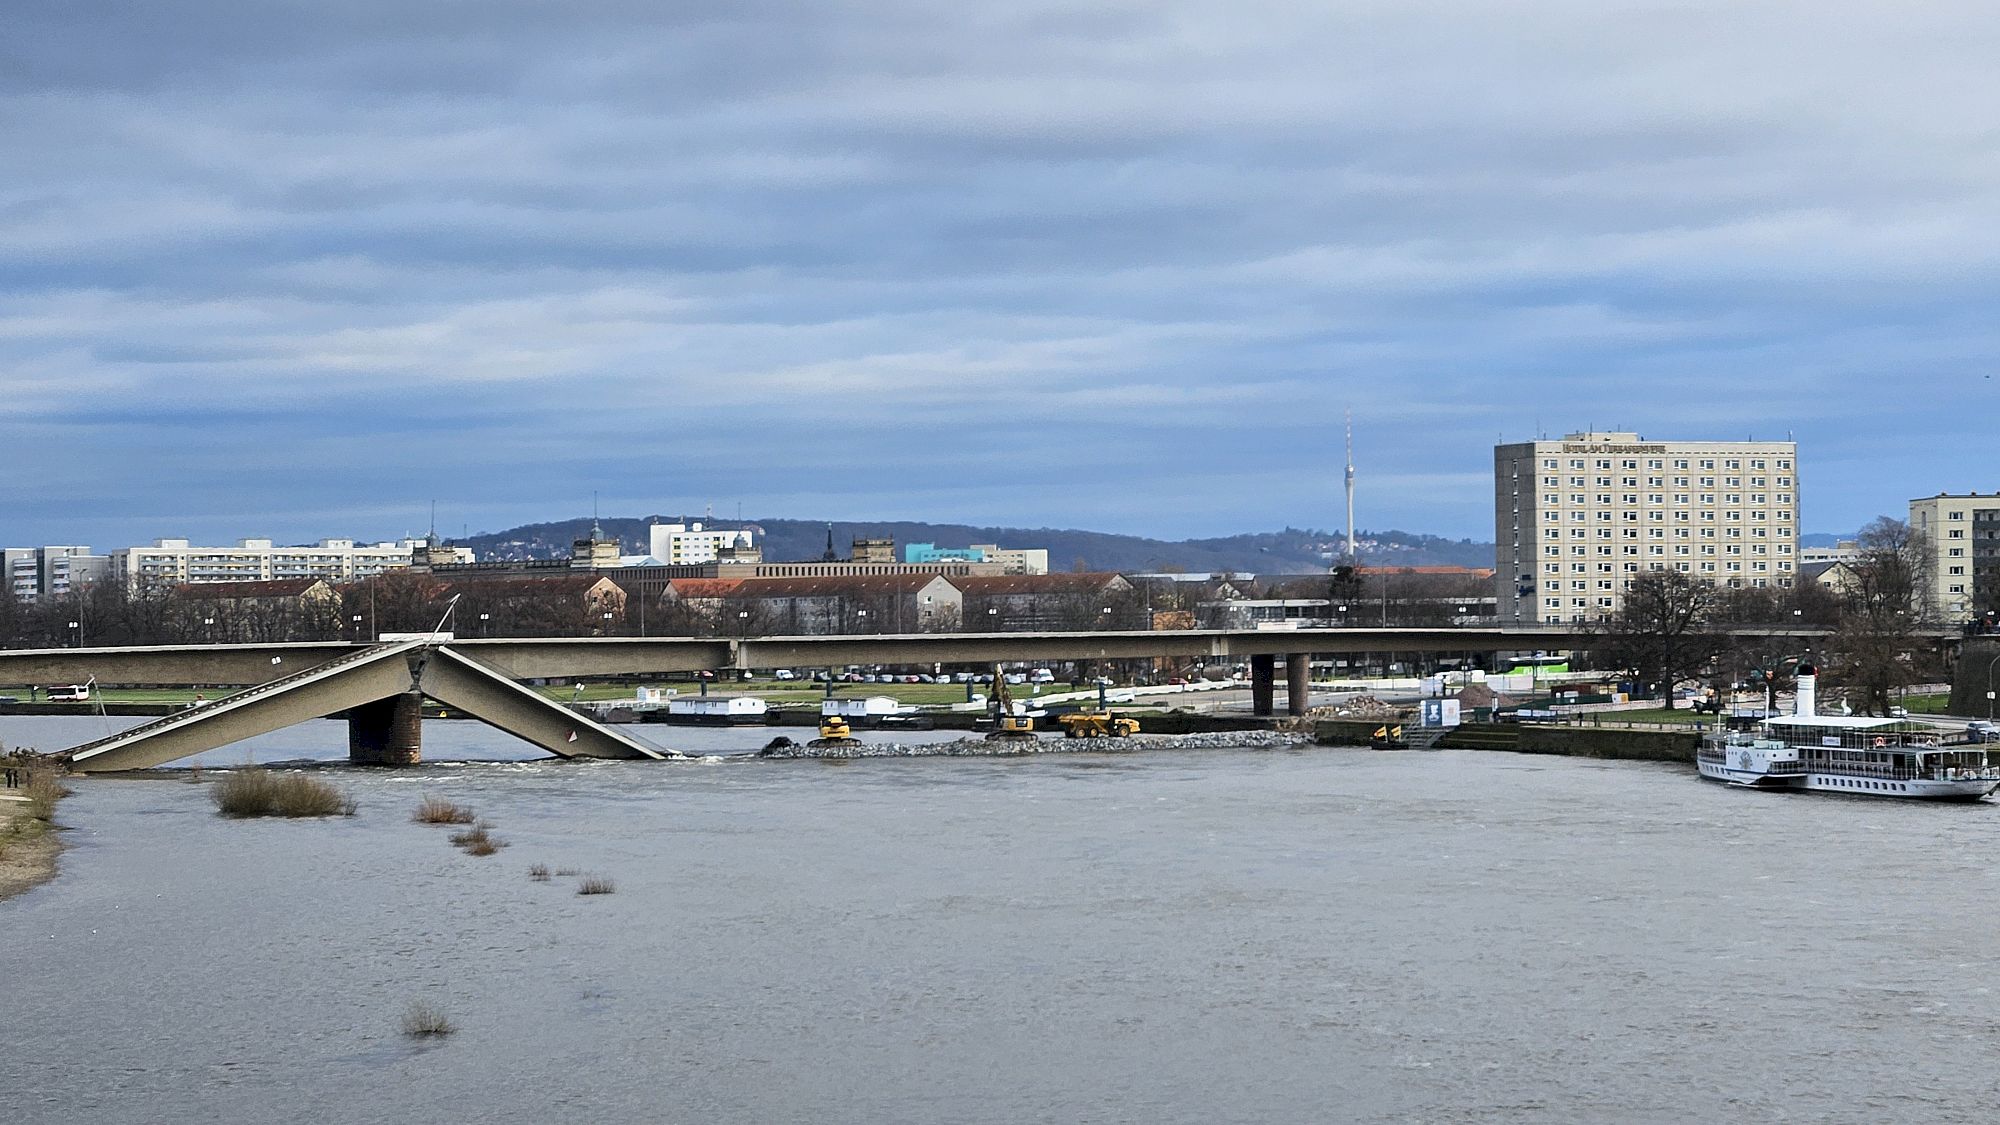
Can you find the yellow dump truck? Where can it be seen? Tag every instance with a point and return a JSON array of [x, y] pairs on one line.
[[1097, 724]]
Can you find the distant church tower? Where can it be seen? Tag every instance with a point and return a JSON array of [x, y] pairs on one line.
[[1350, 487], [594, 552]]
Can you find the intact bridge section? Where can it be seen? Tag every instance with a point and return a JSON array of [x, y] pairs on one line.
[[379, 688]]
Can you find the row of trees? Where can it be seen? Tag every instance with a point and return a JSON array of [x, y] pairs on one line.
[[107, 614], [1671, 628]]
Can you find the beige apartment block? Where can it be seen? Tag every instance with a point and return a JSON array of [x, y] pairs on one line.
[[1962, 540], [1575, 520]]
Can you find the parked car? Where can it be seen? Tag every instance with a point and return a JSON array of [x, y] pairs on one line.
[[1981, 731], [784, 674]]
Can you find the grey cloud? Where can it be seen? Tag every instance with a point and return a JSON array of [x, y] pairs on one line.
[[690, 239]]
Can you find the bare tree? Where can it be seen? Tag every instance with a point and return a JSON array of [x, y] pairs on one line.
[[1661, 632], [1876, 648]]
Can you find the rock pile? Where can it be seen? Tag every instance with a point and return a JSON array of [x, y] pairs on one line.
[[1362, 707], [981, 748]]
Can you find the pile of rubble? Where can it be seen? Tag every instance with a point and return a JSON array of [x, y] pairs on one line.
[[1361, 707], [982, 748]]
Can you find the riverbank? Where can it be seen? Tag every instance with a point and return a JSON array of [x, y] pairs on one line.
[[1529, 738], [29, 843]]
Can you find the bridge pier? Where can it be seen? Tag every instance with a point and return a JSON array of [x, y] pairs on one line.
[[387, 732], [1298, 682], [1263, 680]]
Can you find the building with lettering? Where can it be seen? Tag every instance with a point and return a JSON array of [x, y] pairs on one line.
[[1576, 520], [1009, 561]]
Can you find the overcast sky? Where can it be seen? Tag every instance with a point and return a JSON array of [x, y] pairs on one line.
[[297, 269]]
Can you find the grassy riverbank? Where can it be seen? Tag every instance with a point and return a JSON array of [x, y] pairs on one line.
[[29, 843]]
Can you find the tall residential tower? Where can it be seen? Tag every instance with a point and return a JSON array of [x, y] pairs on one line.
[[1574, 520]]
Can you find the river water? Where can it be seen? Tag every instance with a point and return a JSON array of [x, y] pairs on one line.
[[1177, 936]]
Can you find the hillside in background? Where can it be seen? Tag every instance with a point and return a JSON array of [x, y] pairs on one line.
[[1291, 551]]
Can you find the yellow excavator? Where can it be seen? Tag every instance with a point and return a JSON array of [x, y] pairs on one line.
[[1010, 726], [1100, 723]]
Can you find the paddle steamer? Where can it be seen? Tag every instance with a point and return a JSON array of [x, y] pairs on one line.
[[1846, 754]]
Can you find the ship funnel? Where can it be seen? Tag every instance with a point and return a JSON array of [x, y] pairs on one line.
[[1807, 700]]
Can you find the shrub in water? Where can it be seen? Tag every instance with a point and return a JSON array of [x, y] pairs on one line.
[[539, 872], [477, 834], [595, 885], [423, 1020], [43, 791], [249, 793], [437, 810]]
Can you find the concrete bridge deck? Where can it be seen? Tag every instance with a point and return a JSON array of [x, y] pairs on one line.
[[549, 657], [291, 682]]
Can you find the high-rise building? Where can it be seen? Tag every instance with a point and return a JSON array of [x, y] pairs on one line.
[[33, 573], [1962, 538], [1575, 520]]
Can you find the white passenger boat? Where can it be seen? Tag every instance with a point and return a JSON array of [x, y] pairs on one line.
[[1847, 754]]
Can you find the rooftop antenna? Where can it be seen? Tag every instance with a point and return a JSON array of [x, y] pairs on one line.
[[596, 527], [433, 537], [1350, 487]]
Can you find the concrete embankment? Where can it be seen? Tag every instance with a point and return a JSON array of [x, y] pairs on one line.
[[1529, 738], [998, 748]]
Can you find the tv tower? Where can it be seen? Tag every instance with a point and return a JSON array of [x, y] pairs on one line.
[[1350, 487]]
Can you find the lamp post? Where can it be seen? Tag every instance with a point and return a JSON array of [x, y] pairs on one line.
[[1989, 687], [483, 619], [209, 626], [607, 621], [78, 626], [356, 619]]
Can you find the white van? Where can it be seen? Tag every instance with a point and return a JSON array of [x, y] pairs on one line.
[[69, 693]]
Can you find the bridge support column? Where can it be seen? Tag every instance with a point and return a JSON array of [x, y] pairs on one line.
[[1298, 682], [1263, 677], [387, 732]]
